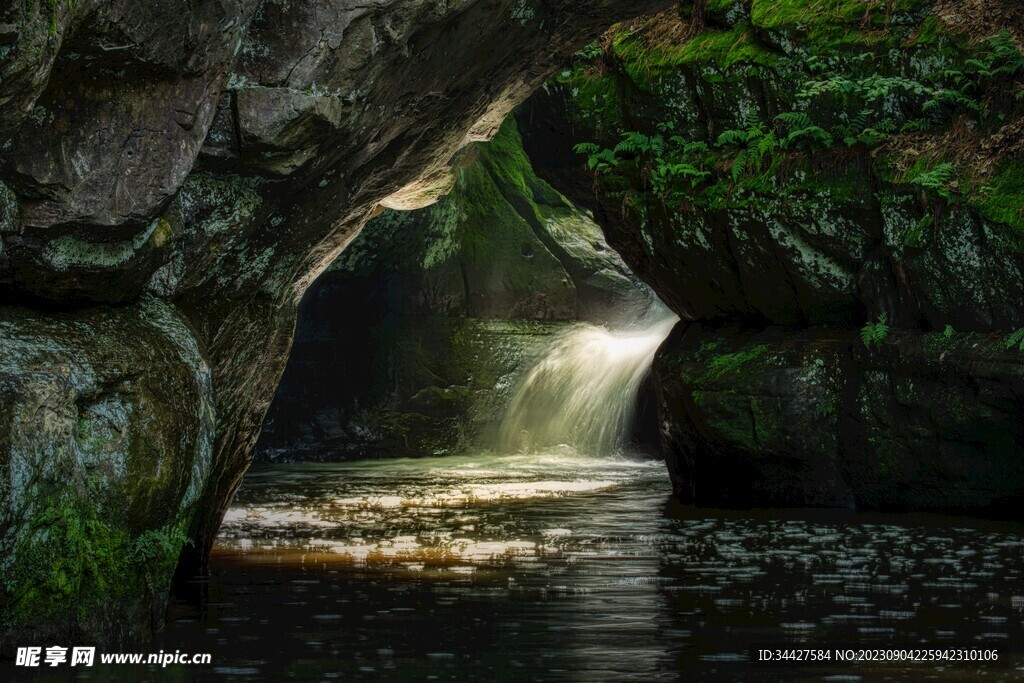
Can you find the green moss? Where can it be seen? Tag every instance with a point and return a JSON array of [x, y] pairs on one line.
[[724, 48], [913, 237], [777, 14], [68, 251], [54, 5], [163, 232], [1001, 199], [801, 14], [930, 32], [72, 561], [721, 5], [730, 363], [595, 97], [512, 170], [707, 348]]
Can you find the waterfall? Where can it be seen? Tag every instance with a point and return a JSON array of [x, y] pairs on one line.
[[582, 392]]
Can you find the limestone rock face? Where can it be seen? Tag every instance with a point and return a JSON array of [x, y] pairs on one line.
[[840, 241], [812, 418], [128, 100], [216, 156], [106, 440]]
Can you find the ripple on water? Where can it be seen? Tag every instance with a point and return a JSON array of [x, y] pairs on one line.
[[563, 567]]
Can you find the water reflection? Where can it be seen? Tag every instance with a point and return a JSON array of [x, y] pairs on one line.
[[564, 568]]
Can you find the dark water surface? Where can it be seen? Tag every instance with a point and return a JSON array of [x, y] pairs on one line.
[[565, 568]]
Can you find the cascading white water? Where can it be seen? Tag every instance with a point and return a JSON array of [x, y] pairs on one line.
[[582, 392]]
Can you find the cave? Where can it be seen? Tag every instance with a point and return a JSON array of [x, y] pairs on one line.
[[698, 319]]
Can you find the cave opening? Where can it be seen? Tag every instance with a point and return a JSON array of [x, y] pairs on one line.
[[489, 349]]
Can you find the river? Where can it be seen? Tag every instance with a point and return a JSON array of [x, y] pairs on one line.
[[566, 568]]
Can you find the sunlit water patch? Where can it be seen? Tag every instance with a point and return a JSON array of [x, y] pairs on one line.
[[411, 513], [574, 569]]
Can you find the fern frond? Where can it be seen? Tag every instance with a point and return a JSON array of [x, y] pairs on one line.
[[732, 137], [936, 180], [873, 334], [795, 119], [767, 144], [739, 165], [867, 334], [1016, 338]]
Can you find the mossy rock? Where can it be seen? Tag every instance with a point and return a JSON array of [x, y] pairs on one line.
[[107, 422]]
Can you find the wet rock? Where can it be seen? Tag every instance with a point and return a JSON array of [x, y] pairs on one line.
[[815, 418], [753, 417], [128, 101], [106, 438]]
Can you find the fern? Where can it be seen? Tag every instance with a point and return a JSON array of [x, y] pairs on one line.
[[803, 131], [1002, 58], [634, 143], [951, 98], [732, 138], [870, 137], [811, 137], [936, 180], [603, 160], [851, 126], [766, 144], [739, 165], [795, 119], [666, 174], [916, 126], [598, 160], [873, 334], [856, 129], [1016, 338], [586, 148], [640, 144]]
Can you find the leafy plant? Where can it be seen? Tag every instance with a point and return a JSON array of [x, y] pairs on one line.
[[803, 132], [1002, 58], [638, 143], [874, 333], [590, 51], [1016, 338], [952, 98], [916, 126], [870, 89], [666, 174], [936, 180], [668, 166], [598, 160], [755, 143]]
